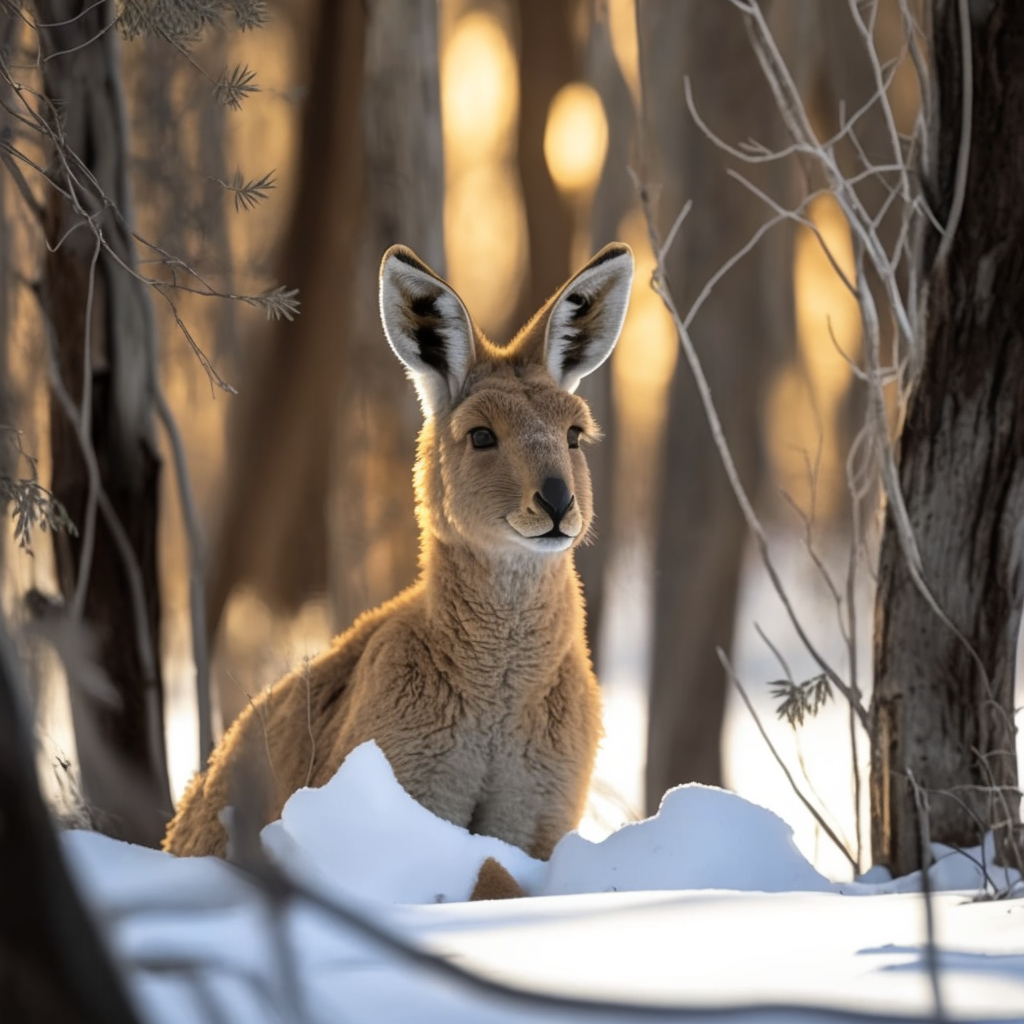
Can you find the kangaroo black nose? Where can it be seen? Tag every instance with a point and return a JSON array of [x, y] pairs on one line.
[[554, 498]]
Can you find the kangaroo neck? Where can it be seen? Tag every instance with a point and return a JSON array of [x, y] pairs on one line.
[[502, 606]]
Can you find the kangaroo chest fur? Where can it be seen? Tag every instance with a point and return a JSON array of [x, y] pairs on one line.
[[492, 707]]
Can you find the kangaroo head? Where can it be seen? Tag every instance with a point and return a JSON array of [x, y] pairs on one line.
[[501, 465]]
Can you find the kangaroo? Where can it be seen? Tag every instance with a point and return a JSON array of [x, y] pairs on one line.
[[476, 682]]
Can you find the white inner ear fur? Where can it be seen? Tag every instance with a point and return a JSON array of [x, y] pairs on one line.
[[427, 326], [587, 316]]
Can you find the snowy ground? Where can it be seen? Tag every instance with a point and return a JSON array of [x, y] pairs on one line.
[[708, 905], [712, 906]]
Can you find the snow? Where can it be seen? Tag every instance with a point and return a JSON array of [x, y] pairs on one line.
[[343, 850], [709, 904]]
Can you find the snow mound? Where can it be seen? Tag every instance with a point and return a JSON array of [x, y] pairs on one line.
[[701, 838], [362, 834], [201, 943]]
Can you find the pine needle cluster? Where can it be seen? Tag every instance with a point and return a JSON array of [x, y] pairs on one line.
[[183, 21]]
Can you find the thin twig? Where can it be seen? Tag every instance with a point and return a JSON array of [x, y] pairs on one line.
[[85, 424], [814, 812], [196, 574], [963, 155]]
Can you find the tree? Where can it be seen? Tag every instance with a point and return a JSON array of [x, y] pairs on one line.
[[318, 497], [66, 152], [272, 529], [373, 547], [950, 577], [104, 347], [742, 332], [948, 604]]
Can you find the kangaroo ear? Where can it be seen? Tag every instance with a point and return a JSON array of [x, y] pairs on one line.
[[587, 315], [427, 326]]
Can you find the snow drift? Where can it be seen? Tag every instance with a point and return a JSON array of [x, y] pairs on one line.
[[707, 903]]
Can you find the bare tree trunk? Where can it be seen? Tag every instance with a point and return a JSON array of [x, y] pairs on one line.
[[942, 712], [53, 965], [108, 367], [272, 530], [740, 334], [548, 60], [373, 541], [612, 200]]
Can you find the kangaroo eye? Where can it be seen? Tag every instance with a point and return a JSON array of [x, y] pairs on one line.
[[574, 436], [483, 438]]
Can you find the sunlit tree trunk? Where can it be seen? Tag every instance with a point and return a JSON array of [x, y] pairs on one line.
[[272, 530], [548, 60], [373, 540], [740, 334], [613, 197], [942, 712], [107, 365]]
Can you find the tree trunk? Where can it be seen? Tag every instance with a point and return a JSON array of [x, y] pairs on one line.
[[373, 541], [548, 60], [272, 530], [53, 965], [740, 333], [941, 713], [613, 198], [120, 743]]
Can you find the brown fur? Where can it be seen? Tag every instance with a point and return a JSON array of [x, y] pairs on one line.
[[494, 882], [475, 682]]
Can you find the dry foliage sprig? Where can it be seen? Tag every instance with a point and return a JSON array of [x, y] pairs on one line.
[[800, 701], [33, 506], [279, 304], [234, 85], [248, 193]]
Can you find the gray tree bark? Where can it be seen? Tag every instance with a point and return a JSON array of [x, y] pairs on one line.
[[941, 713], [740, 334]]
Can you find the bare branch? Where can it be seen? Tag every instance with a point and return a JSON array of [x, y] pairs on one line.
[[963, 153]]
